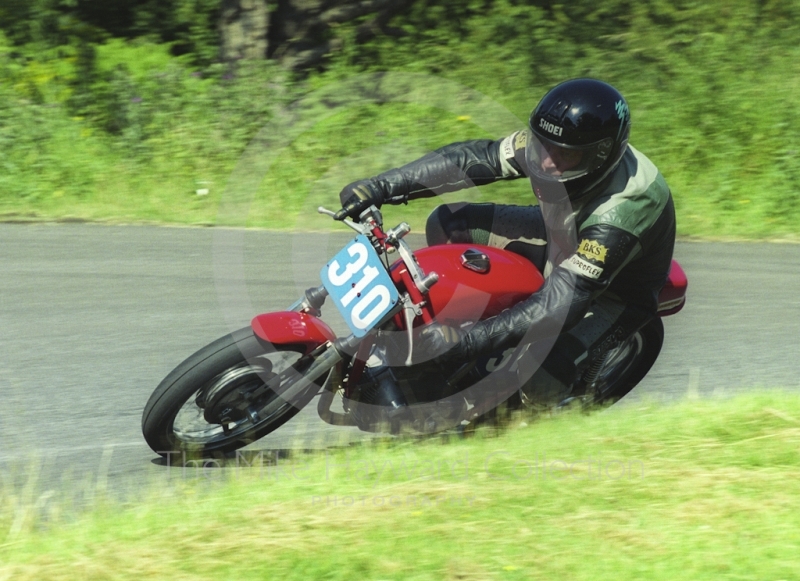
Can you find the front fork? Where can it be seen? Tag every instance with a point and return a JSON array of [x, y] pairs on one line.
[[312, 301], [327, 357], [330, 355]]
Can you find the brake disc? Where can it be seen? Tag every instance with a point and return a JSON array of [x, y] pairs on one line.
[[231, 398]]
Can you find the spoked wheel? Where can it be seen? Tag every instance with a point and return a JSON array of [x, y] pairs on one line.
[[627, 364], [227, 395]]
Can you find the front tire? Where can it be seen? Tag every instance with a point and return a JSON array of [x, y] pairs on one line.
[[197, 409]]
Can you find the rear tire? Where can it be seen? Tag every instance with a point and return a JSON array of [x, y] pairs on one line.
[[174, 419], [628, 363]]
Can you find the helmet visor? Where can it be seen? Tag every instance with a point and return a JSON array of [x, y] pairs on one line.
[[556, 162]]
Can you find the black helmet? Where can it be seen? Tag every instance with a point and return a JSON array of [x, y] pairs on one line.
[[585, 121]]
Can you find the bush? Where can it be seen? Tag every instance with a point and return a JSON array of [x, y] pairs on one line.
[[87, 95]]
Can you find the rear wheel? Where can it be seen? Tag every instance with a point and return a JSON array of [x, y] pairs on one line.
[[226, 396], [627, 364]]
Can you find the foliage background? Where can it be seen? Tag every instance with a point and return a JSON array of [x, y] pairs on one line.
[[121, 110]]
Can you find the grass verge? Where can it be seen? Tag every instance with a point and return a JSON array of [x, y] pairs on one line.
[[700, 490]]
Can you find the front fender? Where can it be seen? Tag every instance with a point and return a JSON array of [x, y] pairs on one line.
[[292, 328]]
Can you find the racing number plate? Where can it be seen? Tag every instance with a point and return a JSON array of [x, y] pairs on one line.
[[360, 286]]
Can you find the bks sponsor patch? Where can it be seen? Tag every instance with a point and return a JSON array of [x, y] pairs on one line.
[[592, 250], [521, 140]]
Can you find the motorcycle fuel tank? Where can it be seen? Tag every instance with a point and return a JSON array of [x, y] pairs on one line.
[[475, 281]]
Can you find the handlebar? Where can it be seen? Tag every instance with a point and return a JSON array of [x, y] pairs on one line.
[[360, 228], [370, 224]]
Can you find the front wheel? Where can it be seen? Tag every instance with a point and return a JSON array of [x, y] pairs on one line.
[[226, 396]]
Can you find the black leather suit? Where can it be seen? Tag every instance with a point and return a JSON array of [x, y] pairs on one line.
[[612, 270]]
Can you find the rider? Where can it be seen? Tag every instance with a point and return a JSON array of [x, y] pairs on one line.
[[602, 277]]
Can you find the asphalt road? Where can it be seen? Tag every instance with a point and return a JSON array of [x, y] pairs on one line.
[[93, 317]]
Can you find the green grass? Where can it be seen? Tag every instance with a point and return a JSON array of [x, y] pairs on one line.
[[699, 490]]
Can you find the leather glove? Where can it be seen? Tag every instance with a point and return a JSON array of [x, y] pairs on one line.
[[357, 197], [442, 343]]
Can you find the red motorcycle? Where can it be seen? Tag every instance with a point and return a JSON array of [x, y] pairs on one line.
[[247, 384]]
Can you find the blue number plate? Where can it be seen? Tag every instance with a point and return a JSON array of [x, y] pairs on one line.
[[360, 286]]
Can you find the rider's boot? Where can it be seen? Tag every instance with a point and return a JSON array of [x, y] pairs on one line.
[[389, 394]]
